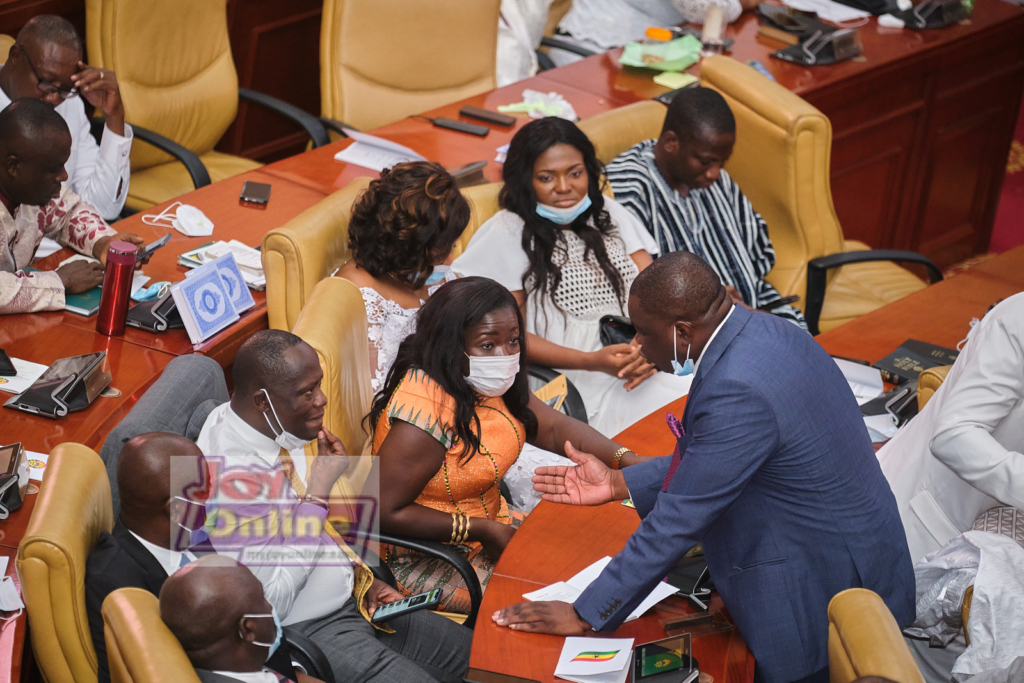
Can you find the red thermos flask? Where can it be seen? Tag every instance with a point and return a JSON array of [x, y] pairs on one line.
[[117, 286]]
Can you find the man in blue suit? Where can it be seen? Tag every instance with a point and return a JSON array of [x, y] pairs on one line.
[[774, 474]]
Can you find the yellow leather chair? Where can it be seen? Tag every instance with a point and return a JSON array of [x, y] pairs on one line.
[[384, 60], [616, 130], [781, 160], [180, 91], [304, 251], [928, 383], [72, 509], [483, 203], [6, 42], [864, 640], [140, 647]]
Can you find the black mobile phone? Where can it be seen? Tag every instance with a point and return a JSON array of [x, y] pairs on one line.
[[7, 368], [148, 250], [481, 676], [667, 97], [412, 603], [461, 126], [255, 193], [494, 117]]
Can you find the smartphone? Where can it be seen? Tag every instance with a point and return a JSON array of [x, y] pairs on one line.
[[148, 250], [255, 193], [7, 368], [488, 116], [407, 605], [481, 676]]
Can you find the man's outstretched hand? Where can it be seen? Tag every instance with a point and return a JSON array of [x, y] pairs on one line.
[[552, 617], [590, 482]]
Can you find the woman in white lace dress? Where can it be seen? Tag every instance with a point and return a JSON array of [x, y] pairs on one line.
[[402, 231], [569, 255]]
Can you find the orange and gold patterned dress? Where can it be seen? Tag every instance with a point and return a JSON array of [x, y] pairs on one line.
[[468, 487]]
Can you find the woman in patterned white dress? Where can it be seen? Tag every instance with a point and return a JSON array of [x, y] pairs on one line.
[[569, 255]]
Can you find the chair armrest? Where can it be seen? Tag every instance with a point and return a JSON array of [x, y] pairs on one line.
[[337, 126], [314, 129], [817, 270], [544, 61], [309, 655], [195, 167], [573, 404], [560, 44], [446, 553]]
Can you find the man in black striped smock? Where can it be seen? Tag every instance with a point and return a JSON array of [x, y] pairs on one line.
[[678, 189]]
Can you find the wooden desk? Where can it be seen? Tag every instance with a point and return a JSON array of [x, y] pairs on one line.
[[921, 123]]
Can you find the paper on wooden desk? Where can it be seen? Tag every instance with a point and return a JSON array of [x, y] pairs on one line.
[[864, 380], [370, 151], [595, 660]]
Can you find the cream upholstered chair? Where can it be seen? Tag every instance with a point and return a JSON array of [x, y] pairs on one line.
[[483, 203], [781, 161], [384, 60], [864, 640], [72, 510], [615, 131], [140, 647], [304, 251], [928, 382], [180, 91]]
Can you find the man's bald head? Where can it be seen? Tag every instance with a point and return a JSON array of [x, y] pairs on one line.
[[49, 29], [35, 143], [263, 360], [203, 604], [678, 286]]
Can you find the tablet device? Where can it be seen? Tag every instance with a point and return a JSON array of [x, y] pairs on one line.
[[665, 661]]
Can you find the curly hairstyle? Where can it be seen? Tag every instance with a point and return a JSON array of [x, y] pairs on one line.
[[541, 236], [438, 348], [407, 220]]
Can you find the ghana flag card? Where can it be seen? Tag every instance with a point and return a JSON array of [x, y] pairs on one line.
[[595, 660]]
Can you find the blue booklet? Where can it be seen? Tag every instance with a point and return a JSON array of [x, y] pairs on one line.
[[203, 303], [234, 284]]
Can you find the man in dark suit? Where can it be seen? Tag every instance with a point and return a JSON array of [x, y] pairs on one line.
[[216, 609], [774, 474]]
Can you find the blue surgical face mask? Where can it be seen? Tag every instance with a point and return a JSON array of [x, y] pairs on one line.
[[277, 638], [198, 534], [563, 216], [154, 291], [687, 367], [435, 276]]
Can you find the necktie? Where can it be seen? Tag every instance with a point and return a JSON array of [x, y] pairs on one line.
[[677, 430], [363, 575]]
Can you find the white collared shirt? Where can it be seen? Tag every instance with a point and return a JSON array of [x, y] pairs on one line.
[[169, 559], [298, 591], [712, 338], [264, 676], [99, 174]]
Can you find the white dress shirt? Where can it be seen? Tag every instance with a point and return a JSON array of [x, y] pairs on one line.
[[169, 559], [964, 453], [264, 676], [612, 23], [99, 174], [714, 334], [299, 590]]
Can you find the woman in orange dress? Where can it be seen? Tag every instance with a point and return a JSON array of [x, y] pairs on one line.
[[451, 419]]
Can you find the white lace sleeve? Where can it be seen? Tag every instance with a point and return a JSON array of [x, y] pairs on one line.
[[694, 10], [387, 325]]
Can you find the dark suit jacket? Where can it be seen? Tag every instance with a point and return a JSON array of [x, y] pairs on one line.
[[780, 483]]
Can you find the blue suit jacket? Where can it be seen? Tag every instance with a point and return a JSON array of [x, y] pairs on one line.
[[780, 483]]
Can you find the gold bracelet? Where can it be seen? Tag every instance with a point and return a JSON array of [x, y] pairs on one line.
[[617, 458], [454, 528], [465, 531]]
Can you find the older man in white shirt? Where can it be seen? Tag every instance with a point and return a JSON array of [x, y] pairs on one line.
[[46, 63], [313, 581]]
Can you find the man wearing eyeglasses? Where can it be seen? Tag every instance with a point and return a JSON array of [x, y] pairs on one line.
[[45, 63]]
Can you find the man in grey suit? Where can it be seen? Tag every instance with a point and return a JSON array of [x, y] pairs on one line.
[[773, 473]]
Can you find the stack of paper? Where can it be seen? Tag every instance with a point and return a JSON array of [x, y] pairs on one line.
[[568, 591], [595, 660], [370, 151], [28, 373], [865, 381], [249, 260]]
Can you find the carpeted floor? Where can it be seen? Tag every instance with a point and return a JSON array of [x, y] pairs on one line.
[[1008, 231]]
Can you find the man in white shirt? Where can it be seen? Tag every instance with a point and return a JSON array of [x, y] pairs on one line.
[[216, 609], [313, 581], [46, 63], [149, 541]]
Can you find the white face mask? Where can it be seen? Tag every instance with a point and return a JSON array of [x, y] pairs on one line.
[[285, 440], [492, 375], [9, 598]]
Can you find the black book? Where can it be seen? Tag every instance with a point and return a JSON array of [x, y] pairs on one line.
[[912, 358]]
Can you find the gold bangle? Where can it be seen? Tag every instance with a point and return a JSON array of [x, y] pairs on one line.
[[617, 458], [465, 531], [454, 528]]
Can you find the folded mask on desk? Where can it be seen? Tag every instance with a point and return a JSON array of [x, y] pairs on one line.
[[185, 218]]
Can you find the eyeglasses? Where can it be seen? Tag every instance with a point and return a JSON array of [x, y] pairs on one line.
[[47, 87]]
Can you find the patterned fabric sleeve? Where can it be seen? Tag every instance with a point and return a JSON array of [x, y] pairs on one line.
[[23, 292], [73, 223], [420, 401], [755, 230]]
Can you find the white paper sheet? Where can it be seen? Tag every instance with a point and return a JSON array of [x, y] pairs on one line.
[[35, 469], [865, 381], [370, 151], [614, 670], [3, 566], [28, 372], [569, 591], [828, 10]]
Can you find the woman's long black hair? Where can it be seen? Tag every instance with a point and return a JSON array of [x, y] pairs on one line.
[[438, 349], [541, 236]]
